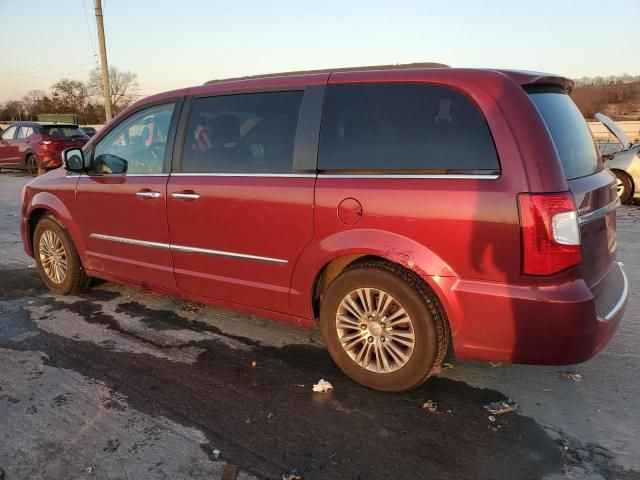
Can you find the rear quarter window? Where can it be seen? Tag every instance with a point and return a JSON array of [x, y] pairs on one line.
[[571, 136], [404, 128]]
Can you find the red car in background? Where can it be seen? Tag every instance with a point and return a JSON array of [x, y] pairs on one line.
[[37, 146], [408, 213]]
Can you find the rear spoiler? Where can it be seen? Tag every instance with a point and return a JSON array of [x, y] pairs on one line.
[[524, 78]]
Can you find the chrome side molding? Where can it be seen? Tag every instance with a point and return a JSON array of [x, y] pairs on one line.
[[185, 249]]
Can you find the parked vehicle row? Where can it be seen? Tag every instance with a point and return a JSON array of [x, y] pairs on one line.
[[409, 213], [37, 146]]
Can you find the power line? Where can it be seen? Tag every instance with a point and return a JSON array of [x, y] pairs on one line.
[[42, 78], [92, 38], [49, 71], [44, 66]]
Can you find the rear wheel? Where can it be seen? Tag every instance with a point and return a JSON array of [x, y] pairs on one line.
[[624, 185], [32, 165], [57, 258], [383, 326]]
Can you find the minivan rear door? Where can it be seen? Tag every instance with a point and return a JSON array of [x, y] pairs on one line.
[[592, 185]]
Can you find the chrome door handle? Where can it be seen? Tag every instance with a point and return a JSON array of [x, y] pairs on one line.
[[185, 196], [146, 194]]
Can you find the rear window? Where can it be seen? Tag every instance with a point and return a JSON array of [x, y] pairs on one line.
[[60, 131], [571, 135], [397, 128]]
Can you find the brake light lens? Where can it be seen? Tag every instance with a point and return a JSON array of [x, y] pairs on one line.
[[550, 233]]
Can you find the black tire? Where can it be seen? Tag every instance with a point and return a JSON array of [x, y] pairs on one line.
[[625, 186], [75, 280], [33, 165], [429, 325]]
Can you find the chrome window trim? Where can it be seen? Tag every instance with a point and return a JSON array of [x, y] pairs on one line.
[[452, 176], [599, 213], [623, 298], [267, 175], [185, 249]]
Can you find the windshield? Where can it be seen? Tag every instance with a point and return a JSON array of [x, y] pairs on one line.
[[59, 131], [569, 131]]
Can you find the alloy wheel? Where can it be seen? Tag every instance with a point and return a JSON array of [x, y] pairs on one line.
[[53, 256], [375, 330]]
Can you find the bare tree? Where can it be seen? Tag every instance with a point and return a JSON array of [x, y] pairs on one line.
[[71, 96], [123, 86]]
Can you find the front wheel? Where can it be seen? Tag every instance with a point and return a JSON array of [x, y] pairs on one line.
[[57, 258], [383, 326]]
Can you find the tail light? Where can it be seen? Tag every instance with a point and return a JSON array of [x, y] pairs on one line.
[[550, 233]]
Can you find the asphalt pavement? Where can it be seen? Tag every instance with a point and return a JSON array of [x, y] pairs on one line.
[[124, 383]]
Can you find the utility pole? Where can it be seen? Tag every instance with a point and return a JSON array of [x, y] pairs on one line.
[[103, 61]]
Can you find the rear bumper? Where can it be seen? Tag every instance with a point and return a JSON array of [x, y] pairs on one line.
[[557, 324]]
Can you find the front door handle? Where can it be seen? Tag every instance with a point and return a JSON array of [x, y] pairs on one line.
[[185, 195], [148, 194]]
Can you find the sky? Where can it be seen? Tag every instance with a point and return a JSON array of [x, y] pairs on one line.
[[174, 44]]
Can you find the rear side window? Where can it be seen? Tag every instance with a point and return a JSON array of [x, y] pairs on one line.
[[571, 135], [55, 131], [24, 132], [245, 133], [413, 128]]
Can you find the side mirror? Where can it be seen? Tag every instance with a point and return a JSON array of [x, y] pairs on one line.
[[73, 160]]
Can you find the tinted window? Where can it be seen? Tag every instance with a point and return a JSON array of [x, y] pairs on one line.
[[137, 142], [403, 127], [8, 133], [62, 131], [24, 132], [571, 135], [248, 133]]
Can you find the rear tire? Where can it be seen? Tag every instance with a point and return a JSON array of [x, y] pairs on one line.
[[32, 165], [392, 348], [57, 259], [625, 186]]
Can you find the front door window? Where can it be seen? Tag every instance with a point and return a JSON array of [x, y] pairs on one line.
[[136, 146]]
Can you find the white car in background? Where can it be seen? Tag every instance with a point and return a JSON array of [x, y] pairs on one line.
[[622, 159]]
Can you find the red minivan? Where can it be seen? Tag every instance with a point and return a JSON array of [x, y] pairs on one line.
[[406, 212]]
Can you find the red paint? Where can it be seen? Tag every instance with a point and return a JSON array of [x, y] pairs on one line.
[[462, 236], [14, 152]]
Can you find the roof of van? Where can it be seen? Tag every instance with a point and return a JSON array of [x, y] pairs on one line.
[[381, 73], [397, 66]]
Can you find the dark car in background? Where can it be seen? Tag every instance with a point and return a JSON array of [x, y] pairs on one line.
[[89, 131], [37, 146]]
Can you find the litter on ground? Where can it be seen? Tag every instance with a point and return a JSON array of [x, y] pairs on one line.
[[291, 475], [322, 386], [431, 406], [503, 406], [576, 377]]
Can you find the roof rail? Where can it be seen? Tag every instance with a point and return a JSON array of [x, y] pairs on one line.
[[398, 66]]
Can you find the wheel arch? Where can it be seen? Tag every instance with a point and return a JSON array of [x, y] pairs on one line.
[[627, 175], [322, 262], [45, 203]]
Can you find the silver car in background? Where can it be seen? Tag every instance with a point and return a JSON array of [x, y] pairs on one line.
[[623, 158]]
